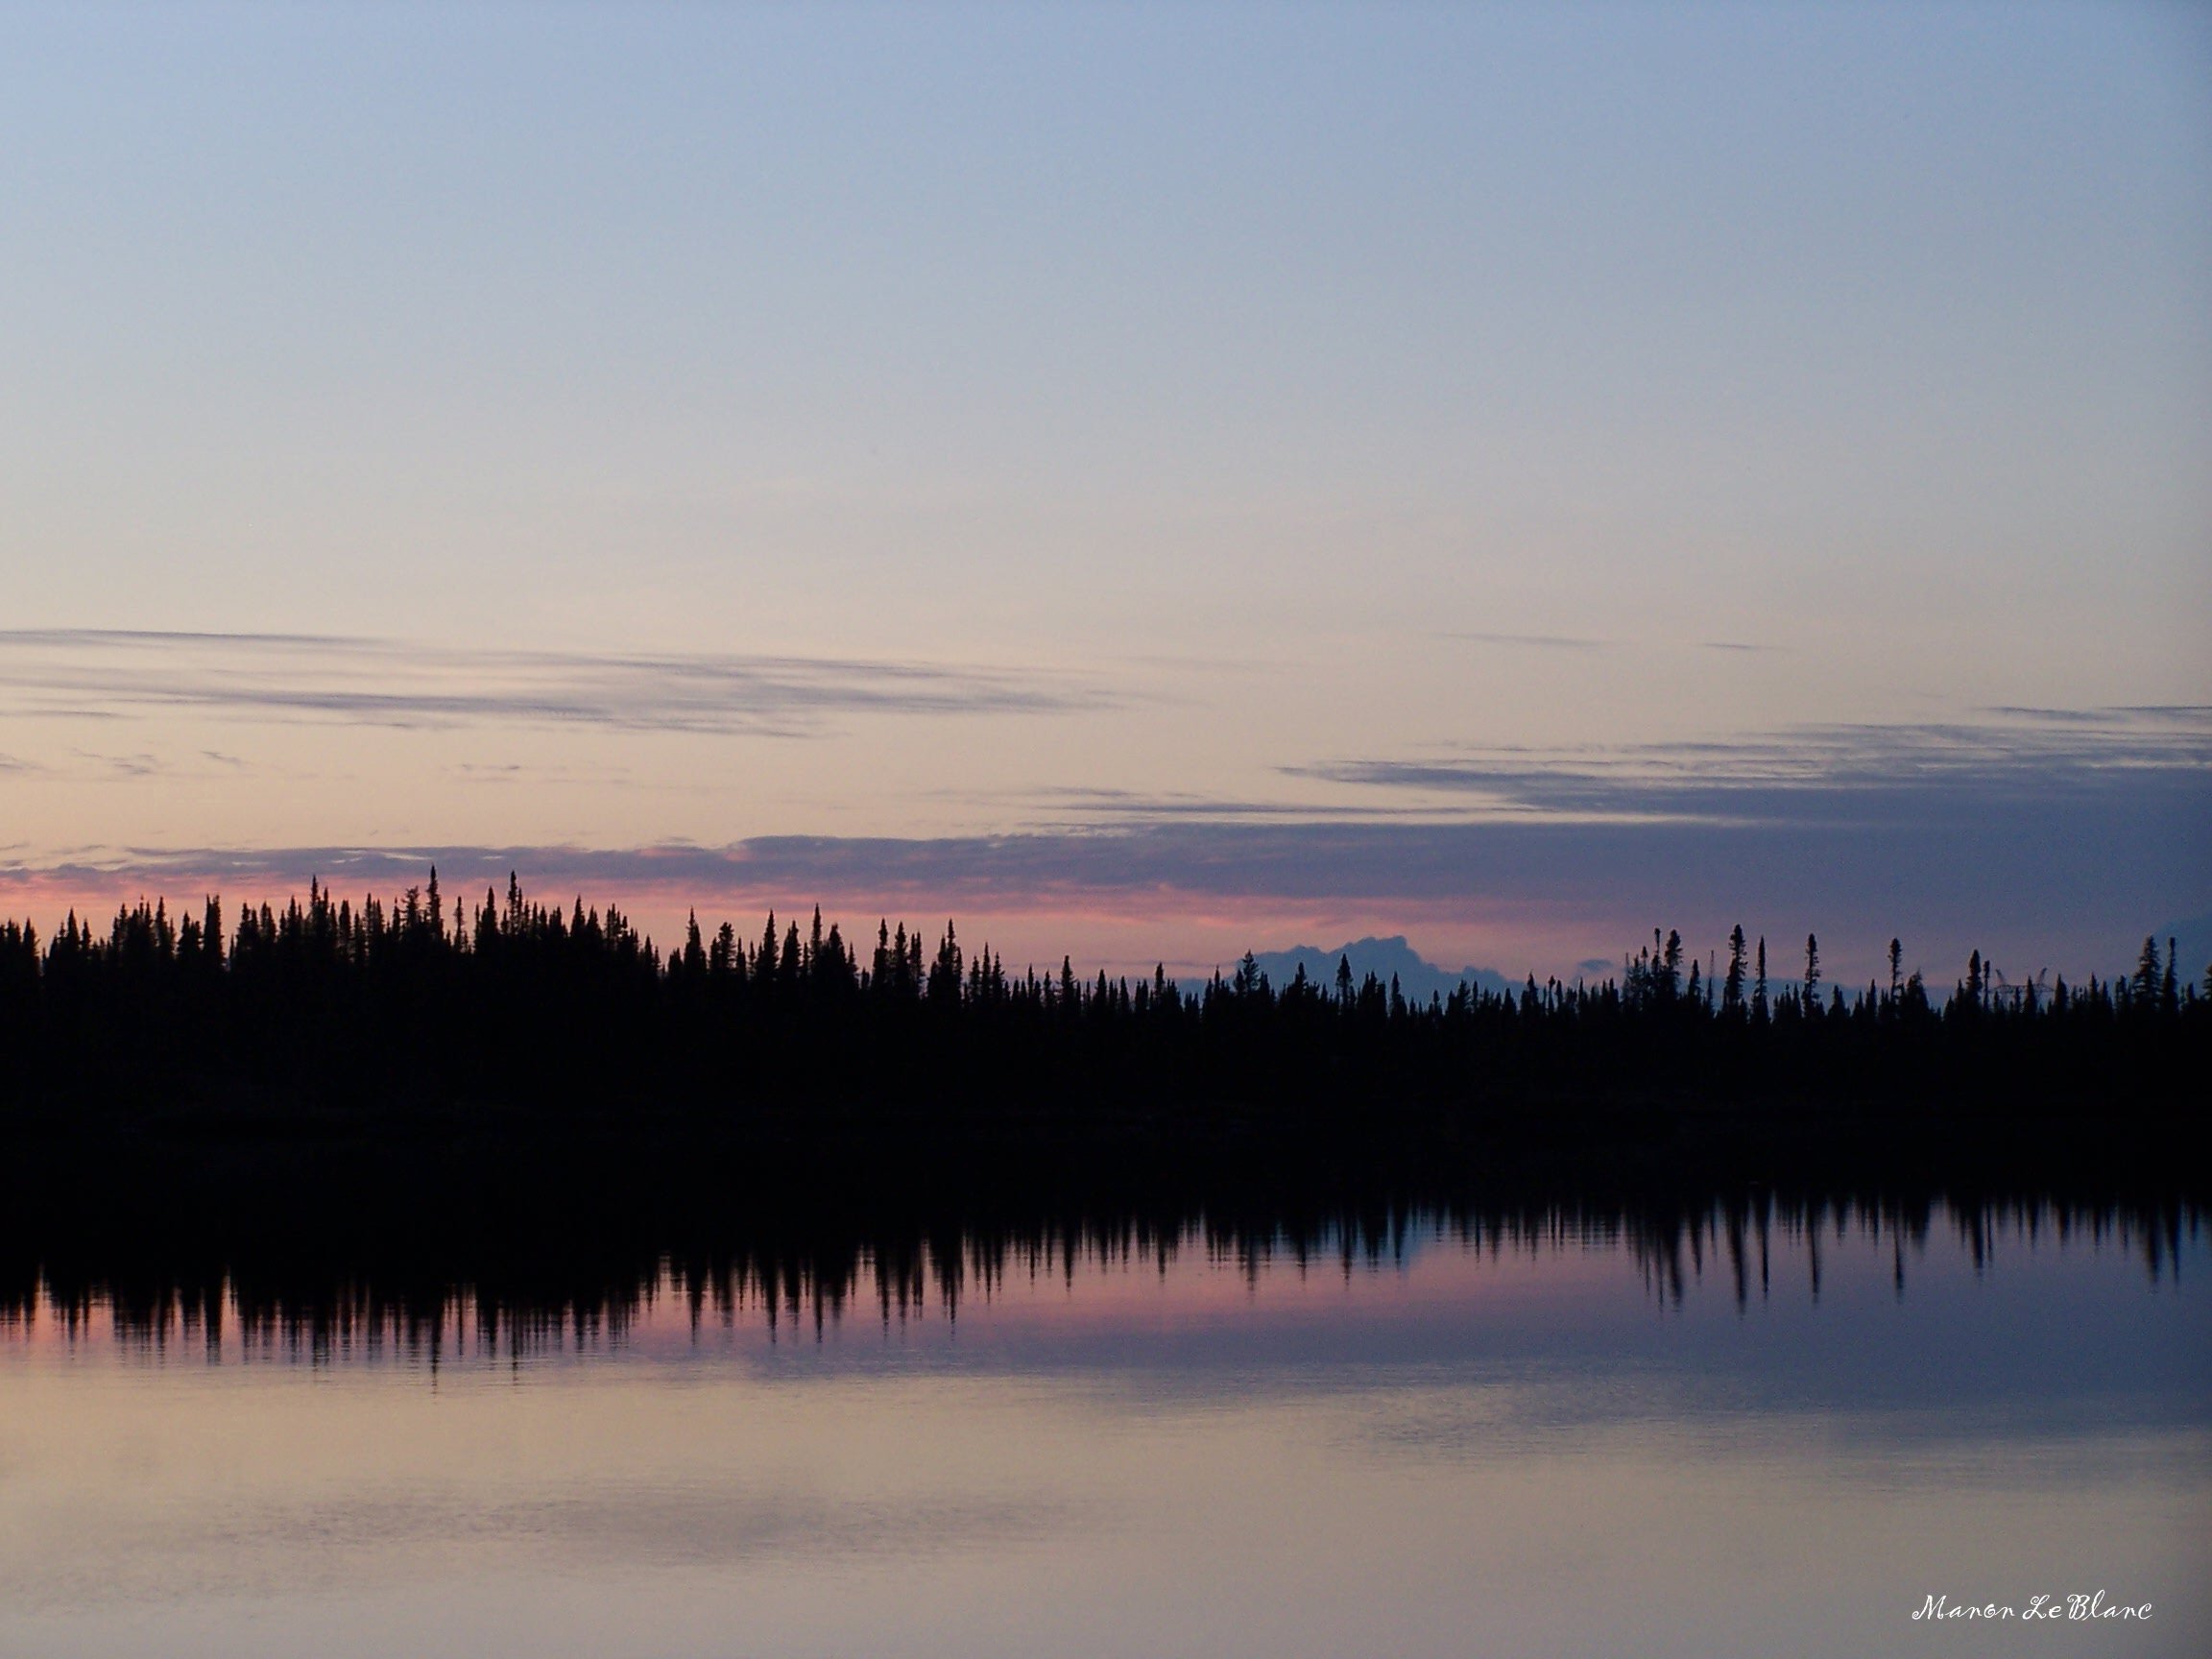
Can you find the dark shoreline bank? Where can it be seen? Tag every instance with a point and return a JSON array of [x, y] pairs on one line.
[[1614, 1141]]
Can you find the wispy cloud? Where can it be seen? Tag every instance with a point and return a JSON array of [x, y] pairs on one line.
[[1541, 641], [2186, 713], [1083, 806], [128, 765], [2063, 716], [88, 765], [2008, 774], [94, 672]]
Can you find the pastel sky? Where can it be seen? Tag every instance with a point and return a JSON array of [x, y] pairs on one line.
[[1147, 481]]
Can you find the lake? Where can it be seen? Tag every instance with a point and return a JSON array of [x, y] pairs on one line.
[[1748, 1428]]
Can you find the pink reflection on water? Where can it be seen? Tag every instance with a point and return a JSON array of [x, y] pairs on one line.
[[1188, 1284]]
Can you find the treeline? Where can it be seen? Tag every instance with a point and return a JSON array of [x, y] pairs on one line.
[[514, 1003]]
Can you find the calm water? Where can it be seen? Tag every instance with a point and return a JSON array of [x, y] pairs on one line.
[[1538, 1440]]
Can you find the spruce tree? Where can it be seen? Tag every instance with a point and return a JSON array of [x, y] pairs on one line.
[[2149, 975]]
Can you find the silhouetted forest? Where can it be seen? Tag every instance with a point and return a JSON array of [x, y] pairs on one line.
[[332, 1004], [341, 1120]]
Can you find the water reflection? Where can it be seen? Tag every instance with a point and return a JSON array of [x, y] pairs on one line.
[[813, 1285], [1723, 1423]]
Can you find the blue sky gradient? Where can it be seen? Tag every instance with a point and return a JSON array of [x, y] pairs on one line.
[[1653, 446]]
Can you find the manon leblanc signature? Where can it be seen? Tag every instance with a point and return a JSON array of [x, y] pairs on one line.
[[2090, 1604]]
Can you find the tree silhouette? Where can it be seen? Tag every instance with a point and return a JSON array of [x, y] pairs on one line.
[[375, 1003]]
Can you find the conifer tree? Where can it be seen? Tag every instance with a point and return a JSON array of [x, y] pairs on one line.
[[2149, 975]]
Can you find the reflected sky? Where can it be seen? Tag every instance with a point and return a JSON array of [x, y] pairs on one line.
[[1554, 1445]]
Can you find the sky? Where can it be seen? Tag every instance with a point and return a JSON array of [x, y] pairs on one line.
[[1145, 481]]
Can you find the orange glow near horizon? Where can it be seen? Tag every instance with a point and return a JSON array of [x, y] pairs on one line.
[[1126, 933]]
